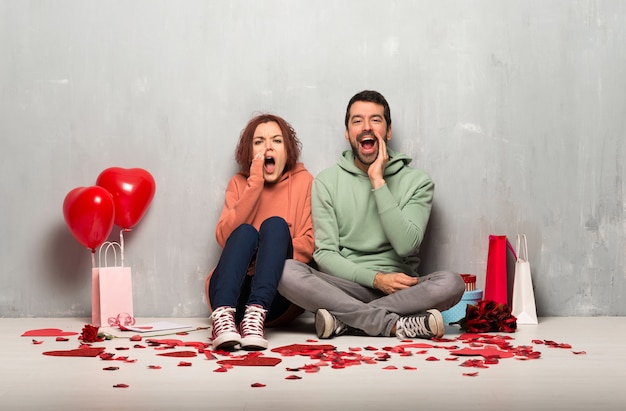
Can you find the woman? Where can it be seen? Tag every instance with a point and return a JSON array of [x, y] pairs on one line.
[[266, 219]]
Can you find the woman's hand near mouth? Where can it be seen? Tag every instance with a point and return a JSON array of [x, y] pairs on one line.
[[256, 168]]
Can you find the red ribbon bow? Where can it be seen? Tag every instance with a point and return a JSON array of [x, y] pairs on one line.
[[122, 319]]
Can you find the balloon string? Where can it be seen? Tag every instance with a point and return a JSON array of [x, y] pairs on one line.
[[122, 246], [93, 258]]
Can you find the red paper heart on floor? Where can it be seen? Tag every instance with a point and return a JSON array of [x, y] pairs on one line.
[[179, 354], [252, 361], [416, 345], [48, 332], [303, 349], [477, 336], [78, 352], [171, 342], [488, 351], [196, 344]]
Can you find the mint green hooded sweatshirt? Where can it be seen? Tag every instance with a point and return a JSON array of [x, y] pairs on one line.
[[360, 231]]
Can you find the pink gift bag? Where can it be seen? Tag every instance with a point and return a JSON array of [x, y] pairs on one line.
[[111, 289]]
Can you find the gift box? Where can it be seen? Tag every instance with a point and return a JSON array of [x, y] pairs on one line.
[[457, 312], [470, 281]]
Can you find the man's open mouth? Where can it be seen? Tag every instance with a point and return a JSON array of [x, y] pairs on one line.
[[367, 143]]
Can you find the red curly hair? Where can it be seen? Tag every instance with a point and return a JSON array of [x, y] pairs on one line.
[[243, 152]]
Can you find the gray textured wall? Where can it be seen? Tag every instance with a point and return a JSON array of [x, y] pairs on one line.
[[516, 108]]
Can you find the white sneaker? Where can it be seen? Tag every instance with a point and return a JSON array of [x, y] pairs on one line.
[[327, 325], [224, 335], [425, 325], [251, 328]]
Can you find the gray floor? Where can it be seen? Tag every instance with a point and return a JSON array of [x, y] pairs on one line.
[[559, 380]]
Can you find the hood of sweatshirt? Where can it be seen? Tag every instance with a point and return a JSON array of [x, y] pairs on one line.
[[297, 168], [289, 176], [396, 162]]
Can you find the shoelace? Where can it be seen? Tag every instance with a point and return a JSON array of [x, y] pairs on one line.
[[340, 327], [223, 320], [253, 319], [414, 326]]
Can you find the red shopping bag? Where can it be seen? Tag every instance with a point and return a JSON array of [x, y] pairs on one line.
[[496, 279]]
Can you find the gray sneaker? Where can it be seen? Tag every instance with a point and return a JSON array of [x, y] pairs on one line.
[[327, 325], [425, 325]]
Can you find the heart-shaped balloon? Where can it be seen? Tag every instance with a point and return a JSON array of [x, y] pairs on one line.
[[132, 190], [89, 213]]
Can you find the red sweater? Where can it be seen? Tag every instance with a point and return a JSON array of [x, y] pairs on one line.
[[251, 201]]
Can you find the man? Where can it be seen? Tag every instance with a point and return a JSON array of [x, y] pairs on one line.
[[370, 212]]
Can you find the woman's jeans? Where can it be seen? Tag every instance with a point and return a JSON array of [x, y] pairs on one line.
[[230, 284]]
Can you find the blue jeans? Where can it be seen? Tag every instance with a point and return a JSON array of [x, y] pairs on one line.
[[266, 250]]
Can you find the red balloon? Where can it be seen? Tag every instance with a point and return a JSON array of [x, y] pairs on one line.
[[132, 190], [89, 213]]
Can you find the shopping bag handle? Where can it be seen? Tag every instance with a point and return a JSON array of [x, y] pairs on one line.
[[109, 245], [522, 247]]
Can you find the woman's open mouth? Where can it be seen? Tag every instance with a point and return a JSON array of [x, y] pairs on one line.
[[270, 165]]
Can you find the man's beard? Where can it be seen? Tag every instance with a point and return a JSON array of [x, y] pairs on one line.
[[370, 158], [363, 159]]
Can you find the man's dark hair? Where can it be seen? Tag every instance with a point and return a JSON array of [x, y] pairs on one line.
[[371, 97]]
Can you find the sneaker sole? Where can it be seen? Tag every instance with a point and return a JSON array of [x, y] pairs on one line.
[[227, 341], [324, 323], [253, 343], [437, 326]]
